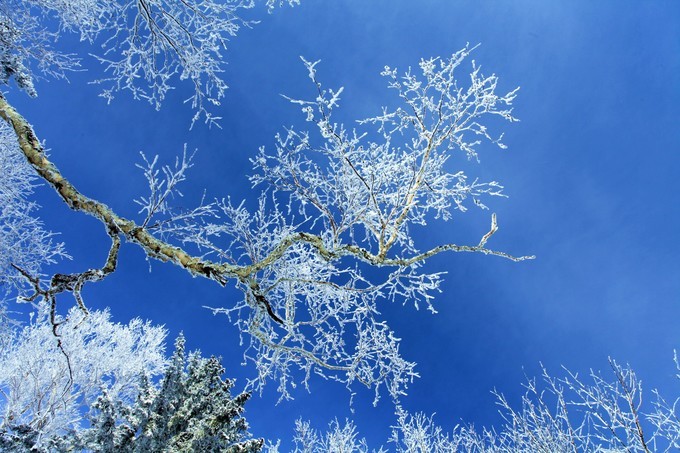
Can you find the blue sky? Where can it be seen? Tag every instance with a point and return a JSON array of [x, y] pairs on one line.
[[591, 173]]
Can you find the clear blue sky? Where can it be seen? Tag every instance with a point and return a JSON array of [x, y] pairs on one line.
[[591, 172]]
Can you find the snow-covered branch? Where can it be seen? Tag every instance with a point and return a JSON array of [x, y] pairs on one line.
[[557, 415], [330, 239], [24, 241], [145, 46]]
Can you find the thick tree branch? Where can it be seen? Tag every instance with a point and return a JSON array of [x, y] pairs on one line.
[[163, 251], [34, 152]]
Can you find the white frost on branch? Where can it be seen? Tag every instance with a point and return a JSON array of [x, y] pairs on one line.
[[144, 45], [558, 415], [338, 438], [163, 188], [272, 4], [330, 239]]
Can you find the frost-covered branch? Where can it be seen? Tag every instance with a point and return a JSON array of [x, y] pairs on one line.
[[557, 415], [350, 198], [338, 438], [145, 46], [378, 187], [71, 283], [330, 239]]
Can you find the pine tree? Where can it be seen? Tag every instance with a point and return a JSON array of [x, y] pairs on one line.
[[192, 410]]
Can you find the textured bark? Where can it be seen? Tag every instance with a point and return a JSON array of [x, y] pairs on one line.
[[156, 248]]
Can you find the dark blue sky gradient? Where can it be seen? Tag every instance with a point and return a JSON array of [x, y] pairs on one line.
[[591, 172]]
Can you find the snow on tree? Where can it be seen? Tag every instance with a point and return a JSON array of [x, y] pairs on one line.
[[52, 369], [144, 44], [336, 203], [338, 438], [351, 201], [564, 415], [191, 410], [100, 394]]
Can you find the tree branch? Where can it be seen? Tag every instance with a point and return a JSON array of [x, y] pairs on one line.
[[163, 251], [156, 248]]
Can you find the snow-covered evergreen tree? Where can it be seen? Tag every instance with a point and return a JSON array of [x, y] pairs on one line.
[[192, 410]]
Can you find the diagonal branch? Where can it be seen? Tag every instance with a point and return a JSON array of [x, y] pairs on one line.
[[34, 152], [165, 252]]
